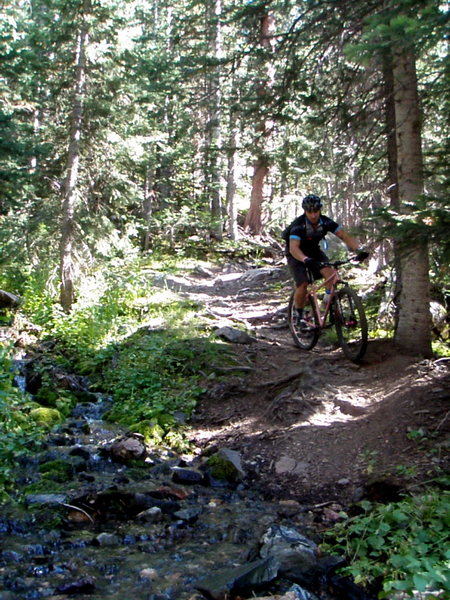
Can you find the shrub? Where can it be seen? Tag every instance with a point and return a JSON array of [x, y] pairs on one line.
[[401, 546]]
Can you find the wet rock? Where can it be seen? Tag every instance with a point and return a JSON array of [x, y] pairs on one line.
[[151, 515], [149, 574], [190, 515], [145, 501], [294, 593], [171, 493], [295, 555], [61, 440], [117, 505], [105, 539], [45, 499], [83, 476], [127, 449], [187, 476], [11, 556], [245, 578], [86, 585], [81, 452]]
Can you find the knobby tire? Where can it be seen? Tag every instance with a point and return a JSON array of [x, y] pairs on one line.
[[350, 323], [304, 339]]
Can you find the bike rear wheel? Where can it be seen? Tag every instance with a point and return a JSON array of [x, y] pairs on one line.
[[305, 335], [351, 323]]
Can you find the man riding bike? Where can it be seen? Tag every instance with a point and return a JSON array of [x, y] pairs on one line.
[[302, 237]]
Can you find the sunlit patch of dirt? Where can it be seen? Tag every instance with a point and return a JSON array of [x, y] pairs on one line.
[[334, 425]]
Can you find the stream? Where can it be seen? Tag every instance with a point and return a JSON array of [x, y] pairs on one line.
[[153, 525]]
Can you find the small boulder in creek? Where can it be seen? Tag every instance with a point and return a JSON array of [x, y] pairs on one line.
[[86, 585], [296, 556], [127, 449], [242, 579], [187, 476]]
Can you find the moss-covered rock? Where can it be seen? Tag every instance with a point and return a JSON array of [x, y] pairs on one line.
[[62, 400], [44, 486], [222, 469], [47, 417], [151, 430], [59, 471]]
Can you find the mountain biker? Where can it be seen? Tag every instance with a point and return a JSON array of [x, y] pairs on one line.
[[302, 238]]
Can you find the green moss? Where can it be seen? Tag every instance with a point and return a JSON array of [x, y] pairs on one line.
[[59, 471], [49, 518], [62, 400], [47, 397], [138, 472], [47, 417], [44, 486], [221, 468], [151, 430]]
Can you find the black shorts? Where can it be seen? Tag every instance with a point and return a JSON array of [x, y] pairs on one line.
[[298, 269]]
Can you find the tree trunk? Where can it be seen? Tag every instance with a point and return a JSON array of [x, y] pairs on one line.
[[391, 128], [147, 206], [414, 320], [253, 221], [67, 261], [231, 179], [213, 133]]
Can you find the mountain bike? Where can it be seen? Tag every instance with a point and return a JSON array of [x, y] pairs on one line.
[[343, 310]]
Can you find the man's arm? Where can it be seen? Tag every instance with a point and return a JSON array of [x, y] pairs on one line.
[[294, 249], [350, 242]]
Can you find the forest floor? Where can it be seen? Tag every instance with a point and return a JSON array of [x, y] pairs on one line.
[[312, 426]]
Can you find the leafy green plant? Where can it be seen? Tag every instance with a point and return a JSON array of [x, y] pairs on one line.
[[19, 434], [156, 375], [417, 434], [402, 546], [369, 459]]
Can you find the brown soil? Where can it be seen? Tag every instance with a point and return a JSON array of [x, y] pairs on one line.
[[312, 426]]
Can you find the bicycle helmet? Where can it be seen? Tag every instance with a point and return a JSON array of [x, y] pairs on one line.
[[311, 202]]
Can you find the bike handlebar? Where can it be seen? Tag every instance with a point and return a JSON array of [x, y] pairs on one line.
[[338, 263]]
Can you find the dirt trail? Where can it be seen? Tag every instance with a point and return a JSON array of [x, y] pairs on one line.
[[312, 426]]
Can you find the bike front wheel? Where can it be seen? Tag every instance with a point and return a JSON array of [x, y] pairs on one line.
[[351, 323], [306, 333]]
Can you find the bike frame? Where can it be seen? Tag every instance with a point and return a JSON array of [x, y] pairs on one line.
[[315, 286]]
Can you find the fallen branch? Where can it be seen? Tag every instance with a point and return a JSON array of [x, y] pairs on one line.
[[78, 509], [442, 422]]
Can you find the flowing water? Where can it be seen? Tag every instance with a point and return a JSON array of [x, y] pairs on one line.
[[96, 538]]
